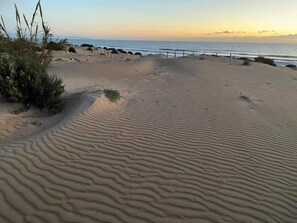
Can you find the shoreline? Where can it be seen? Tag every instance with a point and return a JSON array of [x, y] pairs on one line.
[[180, 48]]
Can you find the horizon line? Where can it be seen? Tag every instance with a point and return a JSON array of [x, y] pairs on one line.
[[206, 40]]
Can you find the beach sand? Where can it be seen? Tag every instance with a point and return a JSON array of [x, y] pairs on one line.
[[191, 140]]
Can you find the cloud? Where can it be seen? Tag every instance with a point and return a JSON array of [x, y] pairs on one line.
[[227, 32], [266, 31], [224, 32]]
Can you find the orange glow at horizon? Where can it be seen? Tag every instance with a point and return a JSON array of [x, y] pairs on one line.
[[275, 20]]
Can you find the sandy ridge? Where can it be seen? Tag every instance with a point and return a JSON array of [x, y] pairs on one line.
[[182, 148]]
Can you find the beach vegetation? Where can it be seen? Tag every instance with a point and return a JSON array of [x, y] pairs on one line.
[[24, 61], [24, 79], [112, 95], [265, 61], [246, 62]]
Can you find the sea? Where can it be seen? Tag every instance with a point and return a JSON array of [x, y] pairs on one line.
[[282, 54]]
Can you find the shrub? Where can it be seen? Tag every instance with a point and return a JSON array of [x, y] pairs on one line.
[[24, 62], [24, 79], [72, 50], [8, 81], [265, 61], [112, 95], [246, 62]]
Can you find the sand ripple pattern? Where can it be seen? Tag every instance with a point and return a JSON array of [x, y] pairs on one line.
[[152, 159]]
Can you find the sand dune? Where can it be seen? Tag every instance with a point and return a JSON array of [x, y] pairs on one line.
[[190, 141]]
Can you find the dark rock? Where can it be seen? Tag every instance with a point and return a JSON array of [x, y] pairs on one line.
[[86, 45], [72, 50], [129, 52], [113, 50], [122, 51], [55, 46], [90, 49], [245, 59], [138, 54], [291, 66]]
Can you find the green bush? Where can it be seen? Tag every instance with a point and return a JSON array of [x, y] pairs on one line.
[[265, 61], [26, 80], [112, 95], [8, 81], [246, 62], [24, 62]]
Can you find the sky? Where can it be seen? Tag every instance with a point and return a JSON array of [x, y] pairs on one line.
[[202, 20]]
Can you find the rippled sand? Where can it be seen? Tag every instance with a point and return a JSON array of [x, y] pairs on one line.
[[190, 141]]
